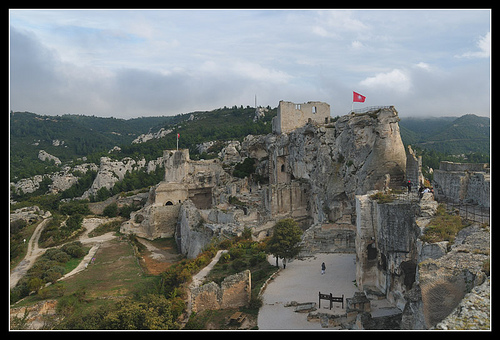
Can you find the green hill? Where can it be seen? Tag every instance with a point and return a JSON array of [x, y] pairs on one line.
[[448, 135], [69, 137]]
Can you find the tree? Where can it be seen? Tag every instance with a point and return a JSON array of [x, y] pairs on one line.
[[34, 284], [285, 240]]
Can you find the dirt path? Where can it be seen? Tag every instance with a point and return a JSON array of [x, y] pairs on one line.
[[197, 280], [34, 251], [200, 276], [31, 255]]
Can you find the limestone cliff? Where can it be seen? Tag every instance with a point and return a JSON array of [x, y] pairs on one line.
[[330, 163], [311, 174]]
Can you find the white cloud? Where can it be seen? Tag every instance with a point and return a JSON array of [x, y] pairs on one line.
[[484, 45], [423, 66], [356, 44], [337, 22], [396, 80]]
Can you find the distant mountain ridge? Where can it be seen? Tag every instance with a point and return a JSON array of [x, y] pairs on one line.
[[449, 135]]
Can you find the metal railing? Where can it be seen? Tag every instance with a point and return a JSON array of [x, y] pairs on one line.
[[469, 212], [370, 109]]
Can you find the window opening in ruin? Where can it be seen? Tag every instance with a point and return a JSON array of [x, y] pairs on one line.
[[314, 109], [169, 203], [282, 167], [409, 269], [383, 261], [372, 251], [297, 106]]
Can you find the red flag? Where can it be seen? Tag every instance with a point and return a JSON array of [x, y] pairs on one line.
[[178, 135], [356, 97]]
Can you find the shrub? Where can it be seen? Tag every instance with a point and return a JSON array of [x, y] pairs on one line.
[[236, 252], [111, 210], [238, 264], [224, 258], [74, 249]]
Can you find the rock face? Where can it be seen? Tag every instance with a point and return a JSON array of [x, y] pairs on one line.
[[386, 248], [233, 292], [45, 156], [444, 281], [316, 170], [426, 282], [111, 172], [313, 175], [473, 312], [468, 182]]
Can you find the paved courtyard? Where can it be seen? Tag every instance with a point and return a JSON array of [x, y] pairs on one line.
[[301, 281]]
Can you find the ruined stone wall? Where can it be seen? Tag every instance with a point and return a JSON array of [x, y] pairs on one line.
[[414, 169], [292, 116], [234, 292], [386, 247], [469, 183]]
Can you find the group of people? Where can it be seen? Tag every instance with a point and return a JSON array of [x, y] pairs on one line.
[[421, 191]]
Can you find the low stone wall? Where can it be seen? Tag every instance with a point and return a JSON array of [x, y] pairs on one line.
[[234, 291]]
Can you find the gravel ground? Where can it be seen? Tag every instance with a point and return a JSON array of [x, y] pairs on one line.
[[301, 281]]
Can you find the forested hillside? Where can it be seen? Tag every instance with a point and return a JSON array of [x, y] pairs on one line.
[[448, 135], [71, 137]]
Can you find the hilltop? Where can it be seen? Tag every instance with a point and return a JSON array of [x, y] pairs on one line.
[[449, 135], [71, 137]]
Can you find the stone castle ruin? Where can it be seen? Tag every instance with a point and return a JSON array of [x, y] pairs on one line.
[[323, 174], [313, 173], [292, 116]]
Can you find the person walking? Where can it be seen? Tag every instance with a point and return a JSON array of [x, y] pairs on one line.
[[409, 184], [323, 268]]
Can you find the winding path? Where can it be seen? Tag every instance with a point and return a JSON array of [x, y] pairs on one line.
[[34, 251], [31, 255]]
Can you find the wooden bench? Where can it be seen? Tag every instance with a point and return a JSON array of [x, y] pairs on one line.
[[237, 318], [330, 298]]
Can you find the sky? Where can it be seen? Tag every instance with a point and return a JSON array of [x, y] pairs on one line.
[[137, 63]]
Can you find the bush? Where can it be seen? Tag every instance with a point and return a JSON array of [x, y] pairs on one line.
[[236, 252], [224, 258], [111, 210], [238, 264], [74, 249]]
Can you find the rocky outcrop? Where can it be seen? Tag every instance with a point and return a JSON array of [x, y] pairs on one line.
[[234, 292], [473, 312], [45, 156], [330, 163], [444, 281], [424, 281], [111, 171], [60, 181], [148, 136]]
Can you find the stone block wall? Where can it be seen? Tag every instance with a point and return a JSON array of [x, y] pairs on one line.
[[292, 116]]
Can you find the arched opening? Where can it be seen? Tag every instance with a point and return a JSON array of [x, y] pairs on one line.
[[282, 167], [169, 203], [372, 251]]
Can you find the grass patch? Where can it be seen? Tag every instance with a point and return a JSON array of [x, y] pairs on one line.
[[443, 227], [115, 272], [380, 197]]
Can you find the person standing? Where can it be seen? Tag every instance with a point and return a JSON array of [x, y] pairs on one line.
[[409, 184], [323, 268]]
